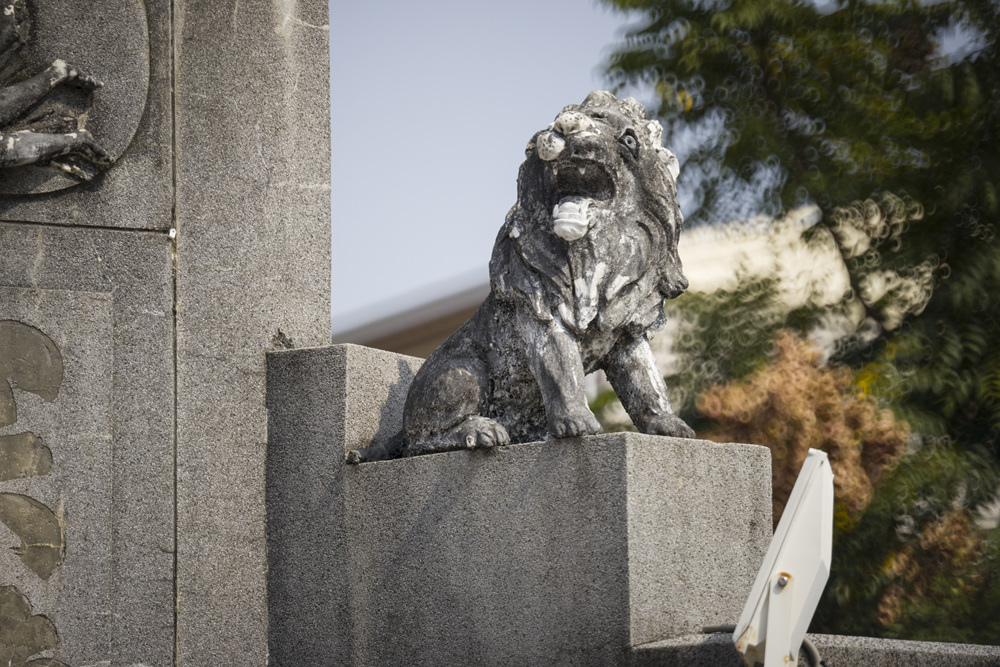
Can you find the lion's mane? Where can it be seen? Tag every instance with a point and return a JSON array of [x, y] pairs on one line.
[[617, 274]]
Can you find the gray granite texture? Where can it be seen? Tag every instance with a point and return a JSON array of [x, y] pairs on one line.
[[231, 151], [103, 299], [253, 272], [835, 651], [127, 46], [568, 551]]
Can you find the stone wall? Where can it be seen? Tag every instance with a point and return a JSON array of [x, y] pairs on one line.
[[158, 287]]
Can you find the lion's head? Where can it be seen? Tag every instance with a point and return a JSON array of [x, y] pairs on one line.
[[597, 217], [604, 151]]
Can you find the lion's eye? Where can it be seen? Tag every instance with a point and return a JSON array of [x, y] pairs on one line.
[[631, 142]]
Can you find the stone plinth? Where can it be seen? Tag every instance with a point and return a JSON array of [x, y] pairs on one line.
[[569, 551]]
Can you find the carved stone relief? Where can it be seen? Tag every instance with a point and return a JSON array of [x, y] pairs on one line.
[[55, 469], [30, 361], [58, 125], [23, 635]]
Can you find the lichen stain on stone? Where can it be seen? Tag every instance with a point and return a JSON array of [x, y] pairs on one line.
[[30, 361], [282, 341], [41, 535], [23, 634], [23, 455]]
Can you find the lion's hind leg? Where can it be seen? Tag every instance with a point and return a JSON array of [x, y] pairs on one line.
[[442, 410]]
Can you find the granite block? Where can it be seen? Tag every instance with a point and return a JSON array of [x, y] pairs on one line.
[[565, 552], [717, 650], [841, 650]]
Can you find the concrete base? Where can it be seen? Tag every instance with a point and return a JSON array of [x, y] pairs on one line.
[[718, 651], [568, 551]]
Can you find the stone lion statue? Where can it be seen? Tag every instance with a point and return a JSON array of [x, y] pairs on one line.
[[578, 276]]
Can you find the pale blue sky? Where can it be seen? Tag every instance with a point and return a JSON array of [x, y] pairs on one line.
[[432, 104]]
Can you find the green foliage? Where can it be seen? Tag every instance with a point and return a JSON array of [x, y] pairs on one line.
[[826, 97], [840, 108], [914, 566]]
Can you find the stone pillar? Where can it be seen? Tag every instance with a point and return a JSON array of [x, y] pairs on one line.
[[135, 314], [253, 273], [579, 548]]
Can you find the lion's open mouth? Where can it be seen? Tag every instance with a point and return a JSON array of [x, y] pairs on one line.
[[579, 184], [583, 178]]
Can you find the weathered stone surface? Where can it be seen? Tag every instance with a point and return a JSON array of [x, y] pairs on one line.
[[253, 270], [131, 116], [578, 276], [577, 548], [314, 418], [108, 426], [717, 650], [839, 650]]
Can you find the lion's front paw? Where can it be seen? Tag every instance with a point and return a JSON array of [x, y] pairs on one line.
[[671, 425], [87, 146], [572, 425]]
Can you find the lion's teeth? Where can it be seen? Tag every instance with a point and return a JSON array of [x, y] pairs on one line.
[[569, 218], [570, 230]]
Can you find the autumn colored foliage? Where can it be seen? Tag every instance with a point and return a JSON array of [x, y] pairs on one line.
[[791, 406]]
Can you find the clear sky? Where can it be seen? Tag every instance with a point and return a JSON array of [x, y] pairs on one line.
[[432, 104]]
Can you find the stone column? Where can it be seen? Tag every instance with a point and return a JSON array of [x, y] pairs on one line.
[[136, 310], [253, 273]]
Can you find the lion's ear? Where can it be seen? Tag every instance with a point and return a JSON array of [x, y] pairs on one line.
[[633, 108]]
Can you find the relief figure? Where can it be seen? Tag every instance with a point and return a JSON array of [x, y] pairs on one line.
[[42, 116]]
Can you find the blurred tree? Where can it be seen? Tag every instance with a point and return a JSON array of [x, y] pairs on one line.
[[721, 335], [909, 561], [838, 106], [791, 406], [916, 565], [853, 106]]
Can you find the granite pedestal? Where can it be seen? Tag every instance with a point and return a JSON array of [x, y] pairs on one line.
[[717, 650], [561, 552]]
